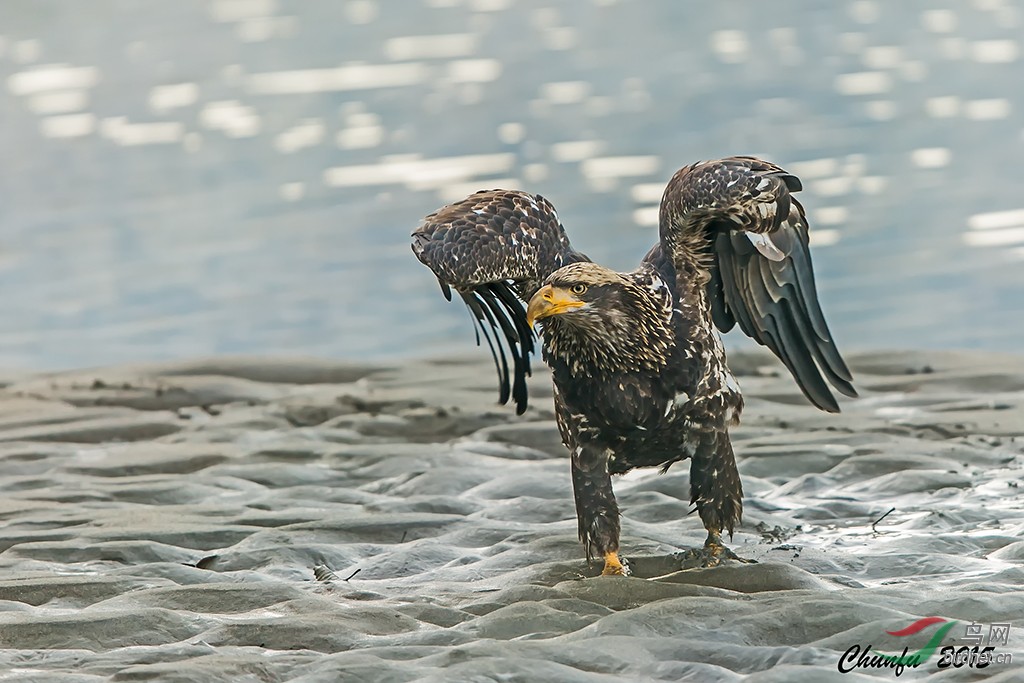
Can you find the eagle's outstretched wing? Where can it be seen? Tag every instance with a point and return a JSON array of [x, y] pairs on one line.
[[761, 273], [495, 248]]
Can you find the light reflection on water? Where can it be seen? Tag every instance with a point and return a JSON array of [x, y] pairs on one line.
[[242, 175]]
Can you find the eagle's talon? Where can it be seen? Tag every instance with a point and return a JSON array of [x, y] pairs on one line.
[[724, 553], [614, 566], [712, 554]]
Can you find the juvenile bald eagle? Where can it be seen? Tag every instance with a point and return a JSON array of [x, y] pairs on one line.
[[640, 378]]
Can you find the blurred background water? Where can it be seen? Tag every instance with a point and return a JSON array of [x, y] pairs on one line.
[[223, 176]]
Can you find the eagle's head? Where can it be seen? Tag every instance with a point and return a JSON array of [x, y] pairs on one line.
[[597, 319]]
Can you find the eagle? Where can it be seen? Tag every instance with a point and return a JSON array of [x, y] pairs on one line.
[[637, 362]]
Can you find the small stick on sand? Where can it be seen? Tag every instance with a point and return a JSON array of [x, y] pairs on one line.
[[354, 573], [873, 529]]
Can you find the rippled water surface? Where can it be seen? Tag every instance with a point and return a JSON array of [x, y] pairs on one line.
[[242, 175]]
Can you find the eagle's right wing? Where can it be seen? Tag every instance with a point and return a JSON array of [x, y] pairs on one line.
[[496, 248]]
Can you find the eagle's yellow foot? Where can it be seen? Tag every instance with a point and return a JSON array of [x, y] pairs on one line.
[[712, 554], [613, 565]]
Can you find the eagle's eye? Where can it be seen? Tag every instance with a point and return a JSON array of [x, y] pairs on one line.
[[579, 289]]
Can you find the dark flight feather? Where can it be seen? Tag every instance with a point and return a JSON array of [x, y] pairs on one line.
[[483, 318]]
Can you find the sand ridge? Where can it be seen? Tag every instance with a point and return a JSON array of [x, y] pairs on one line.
[[274, 519]]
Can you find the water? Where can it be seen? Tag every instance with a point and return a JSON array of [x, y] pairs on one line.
[[242, 175]]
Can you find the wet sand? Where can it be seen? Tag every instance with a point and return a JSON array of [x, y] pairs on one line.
[[264, 519]]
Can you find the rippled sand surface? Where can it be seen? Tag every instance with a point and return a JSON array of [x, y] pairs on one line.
[[288, 519]]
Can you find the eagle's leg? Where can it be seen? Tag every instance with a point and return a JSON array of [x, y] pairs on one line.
[[716, 490], [597, 513]]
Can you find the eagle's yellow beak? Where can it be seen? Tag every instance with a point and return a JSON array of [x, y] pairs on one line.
[[549, 301]]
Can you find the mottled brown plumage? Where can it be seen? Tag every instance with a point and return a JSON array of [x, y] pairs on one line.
[[639, 371], [495, 248]]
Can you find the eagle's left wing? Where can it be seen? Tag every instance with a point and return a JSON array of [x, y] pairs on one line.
[[741, 211]]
